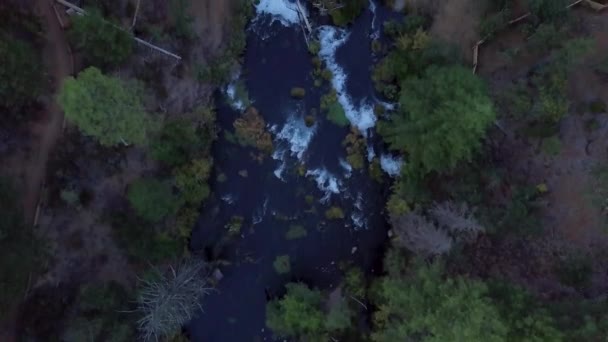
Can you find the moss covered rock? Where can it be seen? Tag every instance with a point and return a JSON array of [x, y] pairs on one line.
[[298, 93]]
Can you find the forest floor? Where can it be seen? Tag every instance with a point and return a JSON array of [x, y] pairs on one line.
[[48, 129], [573, 222]]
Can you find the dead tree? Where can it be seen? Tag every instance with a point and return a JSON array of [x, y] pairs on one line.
[[326, 6]]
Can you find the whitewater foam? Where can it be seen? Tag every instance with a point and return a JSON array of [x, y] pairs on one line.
[[348, 169], [361, 116], [372, 8], [282, 10], [297, 135], [229, 198], [370, 153], [326, 182], [391, 165], [259, 214], [234, 102]]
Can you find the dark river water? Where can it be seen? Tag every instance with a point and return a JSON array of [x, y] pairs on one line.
[[273, 195]]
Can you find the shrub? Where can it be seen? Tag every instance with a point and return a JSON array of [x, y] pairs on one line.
[[103, 44], [141, 244], [176, 141], [171, 299], [282, 264], [337, 115], [300, 315], [191, 180], [23, 253], [296, 232], [348, 13], [21, 75], [152, 199], [181, 21], [105, 107], [314, 46], [354, 282], [250, 130], [551, 146], [99, 314], [298, 93], [334, 213]]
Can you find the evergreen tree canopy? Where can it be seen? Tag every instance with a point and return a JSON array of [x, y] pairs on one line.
[[426, 307], [153, 200], [298, 314], [21, 74], [105, 107], [103, 44], [444, 115]]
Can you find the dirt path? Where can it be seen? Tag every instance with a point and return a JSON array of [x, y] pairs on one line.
[[59, 65]]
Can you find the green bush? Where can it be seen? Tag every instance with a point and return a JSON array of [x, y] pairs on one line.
[[152, 199], [298, 93], [348, 13], [181, 20], [141, 243], [296, 232], [175, 143], [297, 314], [301, 315], [334, 213], [23, 253], [551, 146], [103, 44], [21, 75], [191, 180], [99, 314], [105, 107], [548, 10], [282, 264]]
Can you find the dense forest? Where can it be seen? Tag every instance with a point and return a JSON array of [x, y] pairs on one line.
[[155, 178]]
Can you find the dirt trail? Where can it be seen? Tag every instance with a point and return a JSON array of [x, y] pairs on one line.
[[59, 66]]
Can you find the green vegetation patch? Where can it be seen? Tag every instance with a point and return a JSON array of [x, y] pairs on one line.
[[105, 107], [102, 42], [152, 199], [250, 130], [282, 264], [298, 93], [23, 253], [296, 232], [334, 213], [21, 75]]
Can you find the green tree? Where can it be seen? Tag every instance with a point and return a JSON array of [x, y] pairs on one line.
[[527, 320], [191, 180], [152, 199], [99, 314], [175, 143], [105, 107], [444, 115], [425, 306], [103, 44], [297, 314], [21, 75], [23, 253]]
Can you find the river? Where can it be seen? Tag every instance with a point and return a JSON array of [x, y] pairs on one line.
[[271, 196]]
